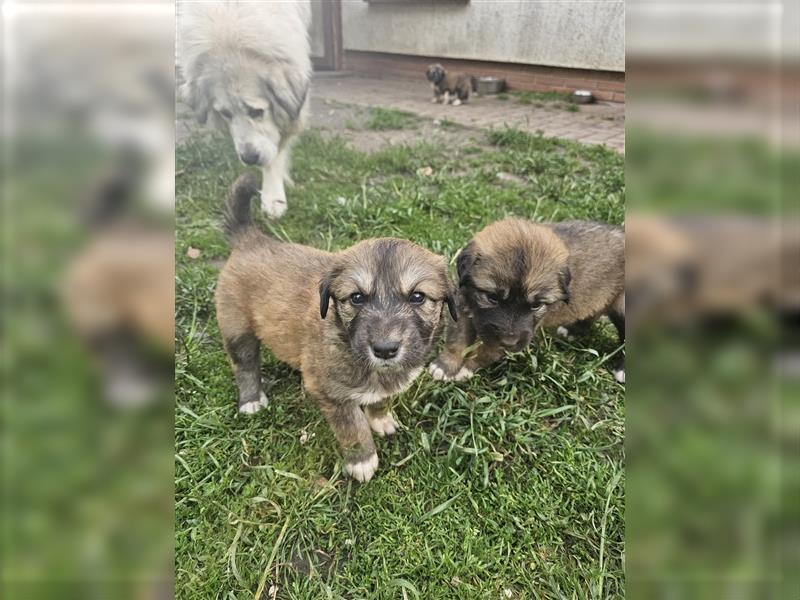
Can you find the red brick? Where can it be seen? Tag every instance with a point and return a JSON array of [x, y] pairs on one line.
[[605, 96], [612, 86], [554, 81]]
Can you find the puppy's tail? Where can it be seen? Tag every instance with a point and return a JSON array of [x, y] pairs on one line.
[[238, 218]]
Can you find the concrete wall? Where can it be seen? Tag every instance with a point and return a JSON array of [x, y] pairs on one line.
[[585, 34]]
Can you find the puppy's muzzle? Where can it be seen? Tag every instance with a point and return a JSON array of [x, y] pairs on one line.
[[385, 349], [514, 343]]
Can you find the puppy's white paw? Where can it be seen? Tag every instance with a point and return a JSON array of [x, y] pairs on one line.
[[384, 425], [562, 331], [364, 470], [619, 375], [439, 374], [249, 408], [456, 102], [274, 207], [463, 374]]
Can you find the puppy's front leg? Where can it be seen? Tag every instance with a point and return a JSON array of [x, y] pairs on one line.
[[352, 431], [449, 365], [381, 419], [446, 98], [484, 356]]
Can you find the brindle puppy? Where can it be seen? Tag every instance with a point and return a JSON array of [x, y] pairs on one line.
[[359, 324], [445, 85], [516, 276]]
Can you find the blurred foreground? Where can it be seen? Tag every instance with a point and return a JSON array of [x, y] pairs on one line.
[[713, 293], [89, 287]]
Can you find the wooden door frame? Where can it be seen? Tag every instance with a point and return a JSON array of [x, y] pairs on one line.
[[332, 34]]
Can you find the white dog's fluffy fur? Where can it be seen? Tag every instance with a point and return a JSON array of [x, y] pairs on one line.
[[247, 66]]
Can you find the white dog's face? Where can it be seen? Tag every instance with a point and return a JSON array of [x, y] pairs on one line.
[[259, 100], [248, 117]]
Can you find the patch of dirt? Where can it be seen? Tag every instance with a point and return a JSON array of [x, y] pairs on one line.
[[349, 122]]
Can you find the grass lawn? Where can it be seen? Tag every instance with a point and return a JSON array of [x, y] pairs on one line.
[[510, 485]]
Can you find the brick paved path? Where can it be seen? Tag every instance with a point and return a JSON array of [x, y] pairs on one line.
[[602, 123]]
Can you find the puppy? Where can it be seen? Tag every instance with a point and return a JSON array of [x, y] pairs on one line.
[[247, 66], [516, 276], [359, 324], [447, 85]]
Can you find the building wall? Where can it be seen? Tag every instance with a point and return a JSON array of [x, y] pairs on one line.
[[578, 34]]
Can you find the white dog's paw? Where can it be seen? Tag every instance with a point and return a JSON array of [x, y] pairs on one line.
[[249, 408], [274, 207], [439, 374], [384, 425], [562, 332], [619, 375], [364, 470], [456, 102]]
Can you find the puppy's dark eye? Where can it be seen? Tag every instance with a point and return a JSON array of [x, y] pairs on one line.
[[255, 113], [416, 298], [357, 299], [536, 305], [493, 298], [226, 114]]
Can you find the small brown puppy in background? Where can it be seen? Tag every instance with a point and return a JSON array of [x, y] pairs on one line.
[[359, 324], [447, 85], [516, 276]]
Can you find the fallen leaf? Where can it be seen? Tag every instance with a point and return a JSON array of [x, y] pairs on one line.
[[425, 171], [509, 177], [193, 252]]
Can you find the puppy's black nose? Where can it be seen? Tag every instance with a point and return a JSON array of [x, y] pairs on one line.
[[385, 349], [250, 156]]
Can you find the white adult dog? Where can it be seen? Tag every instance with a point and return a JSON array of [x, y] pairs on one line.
[[247, 65]]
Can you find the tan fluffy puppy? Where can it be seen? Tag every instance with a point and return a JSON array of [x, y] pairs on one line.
[[516, 275], [448, 87], [359, 324]]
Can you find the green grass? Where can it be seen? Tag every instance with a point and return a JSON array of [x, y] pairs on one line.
[[382, 119], [510, 482]]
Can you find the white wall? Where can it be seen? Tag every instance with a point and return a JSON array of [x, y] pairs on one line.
[[588, 34]]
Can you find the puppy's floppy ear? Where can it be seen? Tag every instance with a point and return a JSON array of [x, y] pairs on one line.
[[452, 306], [467, 259], [564, 279], [325, 294]]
